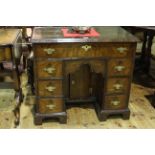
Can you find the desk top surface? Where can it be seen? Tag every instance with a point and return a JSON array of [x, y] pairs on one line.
[[8, 36], [107, 34]]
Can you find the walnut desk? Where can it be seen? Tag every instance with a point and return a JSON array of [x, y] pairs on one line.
[[82, 70]]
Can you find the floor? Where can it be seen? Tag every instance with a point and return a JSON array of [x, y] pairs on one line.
[[7, 105]]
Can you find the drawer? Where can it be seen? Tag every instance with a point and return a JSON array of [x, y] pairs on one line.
[[115, 102], [5, 54], [49, 69], [50, 88], [65, 50], [119, 67], [82, 50], [121, 51], [52, 105], [117, 85]]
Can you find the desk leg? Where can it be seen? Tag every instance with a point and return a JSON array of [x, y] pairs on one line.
[[142, 59], [148, 54], [142, 74], [140, 62], [145, 59]]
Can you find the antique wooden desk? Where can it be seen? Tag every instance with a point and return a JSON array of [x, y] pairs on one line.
[[10, 54], [82, 70]]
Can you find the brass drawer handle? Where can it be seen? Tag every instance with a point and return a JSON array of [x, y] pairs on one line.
[[119, 68], [115, 102], [51, 106], [73, 82], [86, 47], [49, 70], [117, 86], [121, 49], [49, 51], [50, 88]]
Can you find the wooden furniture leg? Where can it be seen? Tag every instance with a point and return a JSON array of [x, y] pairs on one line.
[[148, 53], [143, 53]]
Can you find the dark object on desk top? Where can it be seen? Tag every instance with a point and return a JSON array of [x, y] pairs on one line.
[[80, 29], [73, 34]]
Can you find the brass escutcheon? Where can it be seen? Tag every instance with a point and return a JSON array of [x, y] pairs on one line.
[[51, 106], [121, 49], [50, 88], [117, 86], [115, 102], [86, 47], [49, 70], [49, 51], [119, 68]]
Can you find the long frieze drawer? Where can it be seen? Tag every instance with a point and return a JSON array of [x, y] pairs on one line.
[[115, 102], [49, 69], [5, 54], [81, 50], [117, 85], [119, 67], [52, 105], [50, 88]]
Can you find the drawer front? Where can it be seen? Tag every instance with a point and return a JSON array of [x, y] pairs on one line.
[[119, 67], [5, 54], [65, 50], [82, 50], [115, 102], [50, 88], [117, 85], [49, 69], [121, 51], [52, 105]]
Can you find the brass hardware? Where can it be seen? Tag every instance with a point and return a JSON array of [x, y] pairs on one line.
[[51, 106], [73, 82], [117, 86], [115, 102], [50, 88], [86, 47], [121, 49], [49, 70], [119, 68], [49, 51]]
